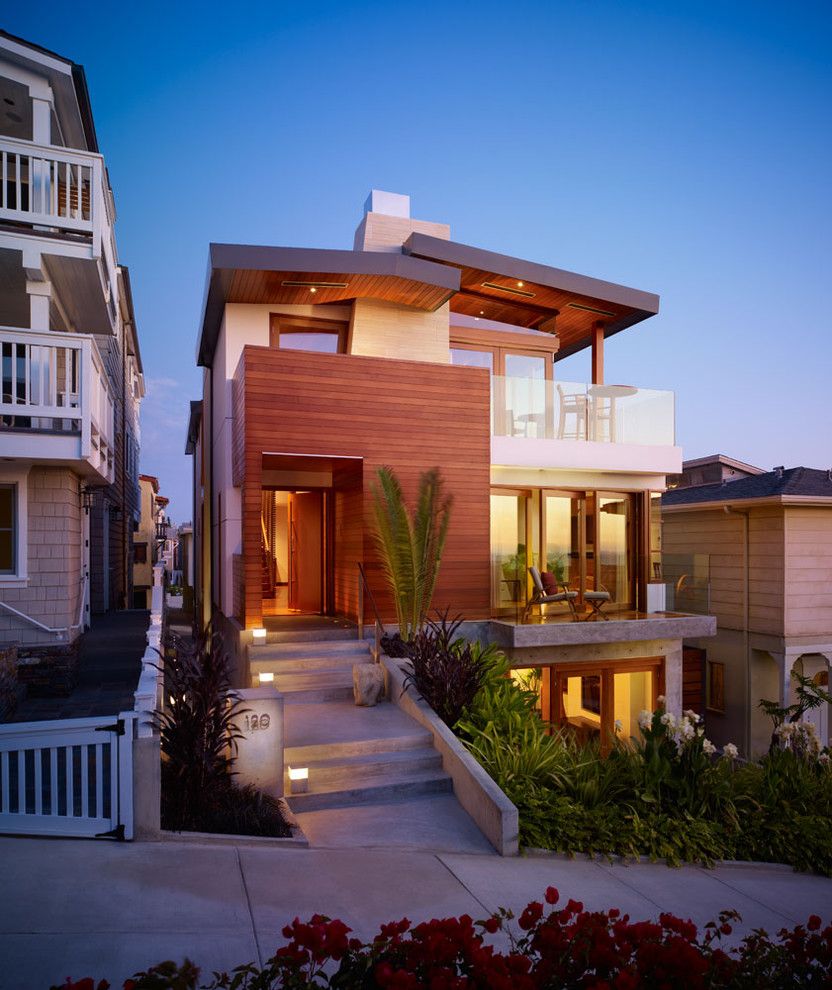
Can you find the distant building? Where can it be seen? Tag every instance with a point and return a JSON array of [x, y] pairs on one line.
[[711, 470], [768, 542]]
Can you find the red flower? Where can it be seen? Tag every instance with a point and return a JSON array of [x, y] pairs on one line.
[[814, 923], [552, 895], [492, 925], [531, 915]]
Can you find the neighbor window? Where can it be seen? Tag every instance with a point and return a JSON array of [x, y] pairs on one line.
[[8, 529], [715, 687], [140, 553]]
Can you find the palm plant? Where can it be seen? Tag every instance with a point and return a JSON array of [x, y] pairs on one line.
[[411, 544]]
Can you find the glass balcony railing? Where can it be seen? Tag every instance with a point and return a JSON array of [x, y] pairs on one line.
[[553, 410]]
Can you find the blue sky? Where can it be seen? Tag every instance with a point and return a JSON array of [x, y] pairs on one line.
[[683, 148]]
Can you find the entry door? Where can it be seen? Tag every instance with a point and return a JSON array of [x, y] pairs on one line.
[[306, 551]]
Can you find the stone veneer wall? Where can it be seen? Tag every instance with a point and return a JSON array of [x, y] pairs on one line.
[[53, 590]]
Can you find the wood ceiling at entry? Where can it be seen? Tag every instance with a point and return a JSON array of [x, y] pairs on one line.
[[268, 287]]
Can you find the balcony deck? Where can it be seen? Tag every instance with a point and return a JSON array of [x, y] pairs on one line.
[[621, 627]]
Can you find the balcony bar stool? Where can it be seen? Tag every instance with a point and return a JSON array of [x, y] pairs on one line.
[[541, 598]]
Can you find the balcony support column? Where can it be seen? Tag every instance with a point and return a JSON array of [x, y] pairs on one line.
[[598, 354], [41, 120], [40, 296]]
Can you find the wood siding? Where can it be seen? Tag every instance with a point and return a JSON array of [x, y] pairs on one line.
[[408, 415], [808, 585]]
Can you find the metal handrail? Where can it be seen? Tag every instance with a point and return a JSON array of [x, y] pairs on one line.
[[363, 586]]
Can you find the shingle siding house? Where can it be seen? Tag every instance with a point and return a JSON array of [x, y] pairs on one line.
[[71, 369]]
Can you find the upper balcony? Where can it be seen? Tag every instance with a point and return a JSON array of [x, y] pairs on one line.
[[55, 404], [62, 198], [538, 423]]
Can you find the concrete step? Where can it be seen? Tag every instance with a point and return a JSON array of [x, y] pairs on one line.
[[385, 787], [308, 665], [349, 772], [322, 685], [305, 755], [310, 648], [325, 634]]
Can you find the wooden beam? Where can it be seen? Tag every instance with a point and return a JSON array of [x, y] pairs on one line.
[[598, 353]]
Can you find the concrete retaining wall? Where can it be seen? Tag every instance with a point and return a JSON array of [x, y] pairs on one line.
[[494, 814]]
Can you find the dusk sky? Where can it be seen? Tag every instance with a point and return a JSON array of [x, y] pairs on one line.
[[682, 148]]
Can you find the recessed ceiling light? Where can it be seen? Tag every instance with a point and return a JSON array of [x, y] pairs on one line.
[[519, 285], [312, 288]]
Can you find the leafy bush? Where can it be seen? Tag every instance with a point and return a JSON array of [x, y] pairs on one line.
[[444, 669], [551, 948]]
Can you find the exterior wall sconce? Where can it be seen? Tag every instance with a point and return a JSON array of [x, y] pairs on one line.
[[258, 637], [266, 677], [87, 499], [298, 780]]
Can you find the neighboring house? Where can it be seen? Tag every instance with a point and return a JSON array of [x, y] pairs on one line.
[[145, 543], [710, 470], [71, 369], [414, 351], [768, 540]]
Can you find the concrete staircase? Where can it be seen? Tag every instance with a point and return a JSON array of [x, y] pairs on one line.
[[355, 756]]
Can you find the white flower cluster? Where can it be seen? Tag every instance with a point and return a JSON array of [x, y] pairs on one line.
[[684, 730], [731, 751], [801, 737], [645, 719]]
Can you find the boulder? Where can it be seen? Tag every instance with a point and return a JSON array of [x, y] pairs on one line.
[[367, 683]]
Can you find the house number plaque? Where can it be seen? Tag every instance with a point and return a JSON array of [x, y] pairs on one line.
[[256, 722]]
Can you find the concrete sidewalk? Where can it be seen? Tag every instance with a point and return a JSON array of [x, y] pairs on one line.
[[79, 908]]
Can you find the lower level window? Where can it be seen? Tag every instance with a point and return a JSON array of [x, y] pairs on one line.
[[8, 529], [715, 687]]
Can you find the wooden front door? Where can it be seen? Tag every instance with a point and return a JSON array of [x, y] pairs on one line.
[[306, 551]]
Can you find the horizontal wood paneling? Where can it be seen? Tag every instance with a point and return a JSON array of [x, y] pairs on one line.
[[808, 567], [406, 414]]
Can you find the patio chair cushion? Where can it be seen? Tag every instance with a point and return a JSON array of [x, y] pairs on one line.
[[550, 582]]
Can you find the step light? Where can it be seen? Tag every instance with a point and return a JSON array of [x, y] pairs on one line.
[[590, 309], [266, 677], [258, 637], [509, 288], [298, 780]]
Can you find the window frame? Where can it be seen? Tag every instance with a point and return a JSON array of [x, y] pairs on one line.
[[143, 547], [18, 481], [288, 325], [711, 665]]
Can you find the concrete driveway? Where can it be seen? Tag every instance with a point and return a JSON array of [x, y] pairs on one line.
[[79, 908]]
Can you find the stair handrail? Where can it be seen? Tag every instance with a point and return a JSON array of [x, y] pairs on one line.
[[363, 586]]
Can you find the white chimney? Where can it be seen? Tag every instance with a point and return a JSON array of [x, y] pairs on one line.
[[387, 223], [389, 203]]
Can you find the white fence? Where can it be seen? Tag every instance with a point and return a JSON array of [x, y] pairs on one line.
[[72, 777]]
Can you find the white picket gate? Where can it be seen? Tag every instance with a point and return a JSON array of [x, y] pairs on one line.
[[72, 777]]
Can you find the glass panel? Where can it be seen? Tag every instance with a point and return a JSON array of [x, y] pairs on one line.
[[7, 529], [655, 537], [562, 538], [525, 396], [473, 359], [508, 554], [615, 527], [581, 701], [6, 552], [6, 506], [632, 694], [328, 343]]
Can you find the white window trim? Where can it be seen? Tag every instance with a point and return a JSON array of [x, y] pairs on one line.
[[20, 479]]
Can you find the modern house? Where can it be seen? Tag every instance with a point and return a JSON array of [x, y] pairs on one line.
[[767, 538], [710, 470], [71, 369], [413, 350]]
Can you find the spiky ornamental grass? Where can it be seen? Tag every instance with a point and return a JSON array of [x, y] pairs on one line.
[[410, 545]]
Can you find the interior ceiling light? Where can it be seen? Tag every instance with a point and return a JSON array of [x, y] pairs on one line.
[[508, 288], [590, 309], [295, 283]]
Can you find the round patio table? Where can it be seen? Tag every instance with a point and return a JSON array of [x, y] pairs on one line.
[[612, 393]]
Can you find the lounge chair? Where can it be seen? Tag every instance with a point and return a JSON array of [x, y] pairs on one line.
[[542, 597]]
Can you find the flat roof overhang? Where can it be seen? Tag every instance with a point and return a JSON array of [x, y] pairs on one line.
[[523, 293], [249, 274]]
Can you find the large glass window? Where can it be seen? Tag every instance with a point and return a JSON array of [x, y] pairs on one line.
[[614, 550], [8, 529], [509, 552], [471, 358], [525, 398], [561, 538]]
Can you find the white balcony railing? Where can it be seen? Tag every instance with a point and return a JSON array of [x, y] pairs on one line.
[[552, 410], [55, 384]]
